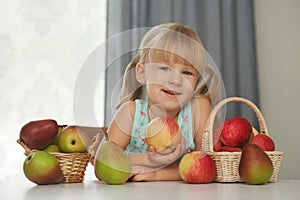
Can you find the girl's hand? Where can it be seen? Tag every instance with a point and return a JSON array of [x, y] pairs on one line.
[[147, 176], [151, 161], [159, 159]]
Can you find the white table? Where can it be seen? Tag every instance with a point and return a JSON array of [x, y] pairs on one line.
[[94, 189]]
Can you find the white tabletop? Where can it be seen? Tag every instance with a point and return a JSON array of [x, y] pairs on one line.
[[94, 189]]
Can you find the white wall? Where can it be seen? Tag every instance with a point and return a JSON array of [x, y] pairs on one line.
[[278, 50], [43, 45]]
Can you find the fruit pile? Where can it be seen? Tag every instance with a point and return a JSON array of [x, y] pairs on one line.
[[46, 138], [237, 135]]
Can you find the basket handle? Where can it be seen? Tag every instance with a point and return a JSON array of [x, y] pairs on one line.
[[208, 131], [96, 140], [27, 150]]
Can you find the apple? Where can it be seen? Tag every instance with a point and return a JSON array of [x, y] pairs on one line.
[[42, 168], [216, 139], [73, 139], [231, 149], [164, 134], [197, 167], [264, 142], [236, 132], [39, 134]]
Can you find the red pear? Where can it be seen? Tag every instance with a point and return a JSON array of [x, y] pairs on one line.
[[255, 165], [39, 134]]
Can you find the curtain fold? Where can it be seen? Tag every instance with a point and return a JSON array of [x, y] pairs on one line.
[[225, 27]]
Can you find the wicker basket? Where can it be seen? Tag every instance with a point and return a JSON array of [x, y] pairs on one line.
[[227, 163], [96, 142], [73, 165]]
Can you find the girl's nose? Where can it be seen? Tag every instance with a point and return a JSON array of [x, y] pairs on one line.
[[175, 78]]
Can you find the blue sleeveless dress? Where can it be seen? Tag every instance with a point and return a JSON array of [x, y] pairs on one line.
[[138, 143]]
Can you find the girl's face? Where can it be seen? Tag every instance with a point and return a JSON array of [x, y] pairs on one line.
[[170, 86]]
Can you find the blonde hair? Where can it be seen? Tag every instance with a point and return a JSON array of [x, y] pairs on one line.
[[169, 43]]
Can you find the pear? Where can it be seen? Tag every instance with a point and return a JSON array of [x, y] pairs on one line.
[[255, 165], [42, 168], [52, 148], [55, 140], [73, 139], [39, 134], [112, 165]]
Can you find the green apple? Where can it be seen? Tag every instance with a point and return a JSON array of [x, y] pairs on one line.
[[73, 139], [52, 148], [112, 165], [42, 168]]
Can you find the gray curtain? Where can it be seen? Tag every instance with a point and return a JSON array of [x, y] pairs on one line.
[[226, 28]]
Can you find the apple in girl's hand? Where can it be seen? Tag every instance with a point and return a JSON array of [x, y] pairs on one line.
[[236, 132], [264, 142], [73, 139], [197, 167], [163, 133]]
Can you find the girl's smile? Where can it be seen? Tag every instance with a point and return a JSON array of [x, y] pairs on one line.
[[170, 93]]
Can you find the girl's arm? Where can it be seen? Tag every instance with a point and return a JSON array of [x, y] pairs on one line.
[[119, 130], [169, 173]]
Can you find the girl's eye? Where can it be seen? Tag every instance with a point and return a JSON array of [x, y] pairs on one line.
[[164, 68], [187, 73]]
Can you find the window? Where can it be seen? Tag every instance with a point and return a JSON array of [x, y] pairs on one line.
[[43, 47]]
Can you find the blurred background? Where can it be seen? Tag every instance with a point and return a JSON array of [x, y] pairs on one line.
[[45, 46]]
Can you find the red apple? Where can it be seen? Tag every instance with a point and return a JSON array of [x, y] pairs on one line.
[[264, 142], [236, 132], [197, 167], [231, 149], [163, 133]]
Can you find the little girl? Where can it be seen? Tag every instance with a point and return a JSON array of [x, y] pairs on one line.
[[165, 78]]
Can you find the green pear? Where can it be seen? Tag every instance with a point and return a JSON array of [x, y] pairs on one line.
[[55, 140], [112, 165], [73, 139], [42, 168], [255, 165], [52, 148], [39, 134]]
